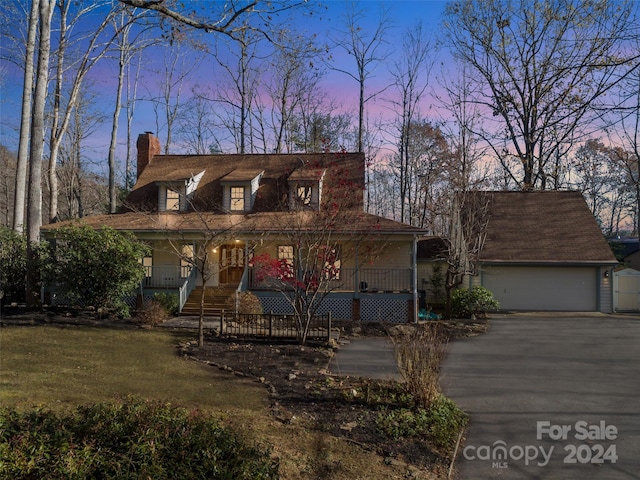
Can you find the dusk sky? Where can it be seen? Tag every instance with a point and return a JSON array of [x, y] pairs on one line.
[[403, 15]]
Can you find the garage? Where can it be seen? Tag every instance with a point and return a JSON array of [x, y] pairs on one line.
[[543, 288]]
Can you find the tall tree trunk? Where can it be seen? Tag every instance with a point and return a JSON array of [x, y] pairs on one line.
[[114, 132], [55, 135], [20, 192], [34, 203]]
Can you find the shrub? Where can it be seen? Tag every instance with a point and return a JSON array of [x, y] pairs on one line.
[[478, 301], [151, 313], [248, 304], [440, 424], [13, 265], [96, 267], [170, 302], [131, 439], [419, 350]]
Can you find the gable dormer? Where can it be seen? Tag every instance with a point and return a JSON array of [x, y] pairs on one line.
[[175, 195], [239, 189], [305, 187]]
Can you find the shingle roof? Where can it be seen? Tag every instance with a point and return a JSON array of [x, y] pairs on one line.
[[347, 171], [543, 227], [343, 176], [263, 222]]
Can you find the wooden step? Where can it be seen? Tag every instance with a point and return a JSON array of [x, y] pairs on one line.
[[215, 300]]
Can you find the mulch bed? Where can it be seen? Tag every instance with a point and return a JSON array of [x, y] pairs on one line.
[[303, 390]]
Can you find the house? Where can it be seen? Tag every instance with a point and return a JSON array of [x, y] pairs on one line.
[[239, 215], [543, 250]]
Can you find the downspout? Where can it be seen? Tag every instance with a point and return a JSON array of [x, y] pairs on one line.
[[242, 285], [356, 279], [599, 282], [414, 257]]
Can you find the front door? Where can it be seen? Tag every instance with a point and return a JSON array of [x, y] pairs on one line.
[[231, 263]]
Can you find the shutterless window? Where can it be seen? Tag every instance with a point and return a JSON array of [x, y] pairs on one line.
[[285, 255], [173, 199], [237, 198], [330, 258], [186, 260], [303, 194], [147, 263]]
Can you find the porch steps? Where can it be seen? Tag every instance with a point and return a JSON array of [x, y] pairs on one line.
[[216, 299]]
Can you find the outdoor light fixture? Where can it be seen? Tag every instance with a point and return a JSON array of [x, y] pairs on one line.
[[606, 274]]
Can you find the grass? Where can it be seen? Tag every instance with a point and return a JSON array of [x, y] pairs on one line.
[[63, 367]]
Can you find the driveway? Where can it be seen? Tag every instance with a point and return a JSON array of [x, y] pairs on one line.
[[550, 397]]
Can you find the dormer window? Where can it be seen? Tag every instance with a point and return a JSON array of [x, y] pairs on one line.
[[175, 194], [239, 189], [237, 199], [305, 187], [304, 195]]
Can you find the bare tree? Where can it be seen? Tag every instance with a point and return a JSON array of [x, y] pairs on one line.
[[8, 162], [411, 76], [22, 167], [127, 49], [95, 47], [179, 64], [626, 135], [293, 76], [542, 70], [225, 18], [456, 97], [132, 78], [368, 49], [468, 230], [321, 245], [81, 191], [196, 125], [593, 176], [236, 97], [36, 150]]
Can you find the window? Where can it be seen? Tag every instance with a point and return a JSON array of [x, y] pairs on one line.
[[147, 263], [330, 259], [285, 259], [237, 198], [173, 199], [186, 260], [303, 195]]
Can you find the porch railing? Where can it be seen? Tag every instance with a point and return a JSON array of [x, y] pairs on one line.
[[166, 276], [187, 287], [370, 280]]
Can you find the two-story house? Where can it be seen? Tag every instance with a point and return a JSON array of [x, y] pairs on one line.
[[242, 214]]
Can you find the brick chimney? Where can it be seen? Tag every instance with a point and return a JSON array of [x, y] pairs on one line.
[[148, 145]]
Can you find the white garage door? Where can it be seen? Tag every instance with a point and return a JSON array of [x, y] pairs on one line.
[[543, 288]]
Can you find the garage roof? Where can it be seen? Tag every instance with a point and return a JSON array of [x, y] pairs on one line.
[[543, 227]]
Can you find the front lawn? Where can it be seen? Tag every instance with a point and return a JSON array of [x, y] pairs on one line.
[[63, 367]]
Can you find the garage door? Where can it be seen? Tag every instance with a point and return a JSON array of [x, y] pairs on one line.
[[543, 288]]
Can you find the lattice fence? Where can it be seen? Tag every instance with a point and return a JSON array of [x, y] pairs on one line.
[[340, 308], [384, 310]]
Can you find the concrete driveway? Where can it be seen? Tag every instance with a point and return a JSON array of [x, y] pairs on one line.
[[550, 397]]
